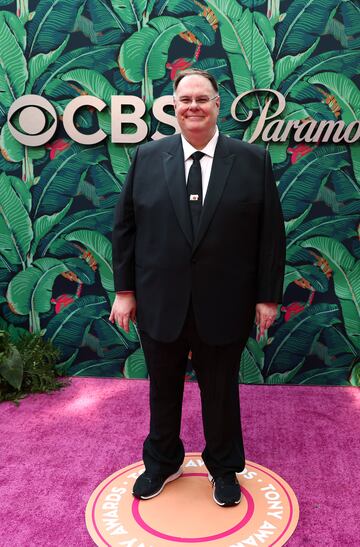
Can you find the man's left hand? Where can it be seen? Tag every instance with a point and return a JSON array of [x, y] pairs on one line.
[[265, 315]]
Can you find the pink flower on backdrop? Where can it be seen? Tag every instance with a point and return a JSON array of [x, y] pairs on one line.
[[56, 147], [62, 301], [178, 64], [292, 309], [299, 151]]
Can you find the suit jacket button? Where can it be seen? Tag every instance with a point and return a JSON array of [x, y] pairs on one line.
[[193, 260]]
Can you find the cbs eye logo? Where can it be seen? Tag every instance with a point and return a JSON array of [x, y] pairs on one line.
[[32, 120]]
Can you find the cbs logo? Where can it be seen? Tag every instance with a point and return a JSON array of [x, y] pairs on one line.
[[32, 120]]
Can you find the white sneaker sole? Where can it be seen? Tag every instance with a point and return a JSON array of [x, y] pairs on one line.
[[215, 500], [169, 479]]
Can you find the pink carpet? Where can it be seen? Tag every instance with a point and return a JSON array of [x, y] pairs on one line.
[[56, 448]]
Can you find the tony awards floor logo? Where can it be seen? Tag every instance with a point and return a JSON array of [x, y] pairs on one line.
[[185, 513]]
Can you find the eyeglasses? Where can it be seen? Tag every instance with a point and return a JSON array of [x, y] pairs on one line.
[[187, 101]]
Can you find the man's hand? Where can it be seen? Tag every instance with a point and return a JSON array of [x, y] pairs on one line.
[[265, 315], [124, 308]]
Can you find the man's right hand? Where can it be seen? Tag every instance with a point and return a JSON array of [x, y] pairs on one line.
[[123, 309]]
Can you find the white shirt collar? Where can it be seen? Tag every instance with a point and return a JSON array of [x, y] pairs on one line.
[[209, 149]]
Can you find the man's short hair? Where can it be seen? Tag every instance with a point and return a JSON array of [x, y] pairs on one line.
[[195, 72]]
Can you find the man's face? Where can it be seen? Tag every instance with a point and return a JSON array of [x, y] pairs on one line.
[[196, 117]]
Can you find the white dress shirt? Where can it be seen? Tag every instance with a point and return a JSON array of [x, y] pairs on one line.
[[205, 162]]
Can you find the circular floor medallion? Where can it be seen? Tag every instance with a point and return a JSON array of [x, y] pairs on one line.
[[186, 514]]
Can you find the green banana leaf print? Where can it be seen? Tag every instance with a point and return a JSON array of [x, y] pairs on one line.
[[57, 200]]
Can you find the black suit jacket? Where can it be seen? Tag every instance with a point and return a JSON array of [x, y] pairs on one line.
[[236, 259]]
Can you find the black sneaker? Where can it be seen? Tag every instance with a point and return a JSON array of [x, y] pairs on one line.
[[148, 486], [226, 490]]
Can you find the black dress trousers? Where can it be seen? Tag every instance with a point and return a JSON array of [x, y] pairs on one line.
[[217, 370]]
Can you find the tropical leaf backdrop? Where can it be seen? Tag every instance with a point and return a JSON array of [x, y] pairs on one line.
[[57, 200]]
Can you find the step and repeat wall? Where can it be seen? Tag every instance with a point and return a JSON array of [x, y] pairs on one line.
[[288, 73]]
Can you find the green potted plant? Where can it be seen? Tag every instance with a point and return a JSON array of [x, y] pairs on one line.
[[26, 365]]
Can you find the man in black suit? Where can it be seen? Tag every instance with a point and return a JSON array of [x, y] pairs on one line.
[[198, 253]]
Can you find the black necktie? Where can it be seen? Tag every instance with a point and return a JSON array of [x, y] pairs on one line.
[[194, 190]]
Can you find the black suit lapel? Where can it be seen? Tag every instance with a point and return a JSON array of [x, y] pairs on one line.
[[220, 171], [174, 169]]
